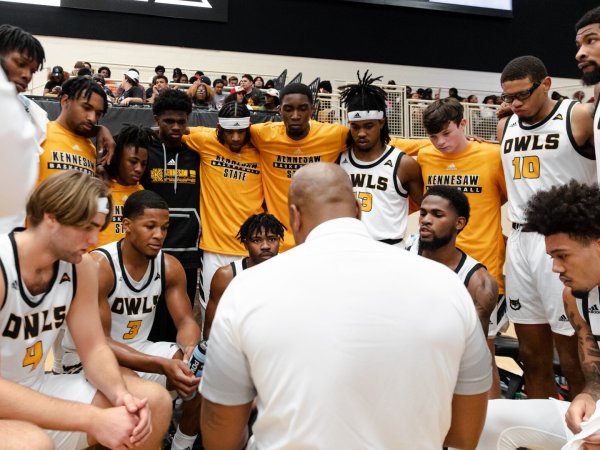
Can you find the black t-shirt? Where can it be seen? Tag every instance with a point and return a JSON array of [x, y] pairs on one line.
[[51, 84], [133, 92], [174, 174]]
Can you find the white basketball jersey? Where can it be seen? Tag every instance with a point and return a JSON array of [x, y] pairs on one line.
[[597, 139], [466, 267], [589, 308], [383, 201], [238, 266], [539, 156], [30, 324], [132, 303]]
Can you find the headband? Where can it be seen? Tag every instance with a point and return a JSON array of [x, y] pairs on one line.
[[102, 205], [354, 116], [234, 123]]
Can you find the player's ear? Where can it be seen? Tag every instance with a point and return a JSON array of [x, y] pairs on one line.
[[461, 223], [126, 224], [295, 219], [358, 210]]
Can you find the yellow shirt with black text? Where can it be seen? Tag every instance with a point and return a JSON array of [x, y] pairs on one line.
[[114, 231]]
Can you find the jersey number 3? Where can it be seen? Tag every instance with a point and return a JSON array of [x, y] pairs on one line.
[[134, 328], [365, 200]]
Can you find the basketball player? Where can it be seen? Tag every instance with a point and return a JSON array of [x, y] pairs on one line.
[[476, 169], [67, 144], [49, 281], [231, 188], [568, 216], [382, 179], [286, 146], [125, 171], [544, 143], [588, 55], [134, 275], [173, 173], [260, 235]]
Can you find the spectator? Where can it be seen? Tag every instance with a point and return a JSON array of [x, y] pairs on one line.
[[205, 79], [579, 96], [472, 99], [453, 93], [84, 72], [88, 66], [236, 94], [202, 95], [272, 100], [132, 92], [232, 81], [183, 79], [159, 70], [270, 84], [219, 97], [415, 95], [55, 79], [259, 83], [254, 96], [100, 80], [78, 65], [176, 75], [160, 84], [325, 87], [104, 71]]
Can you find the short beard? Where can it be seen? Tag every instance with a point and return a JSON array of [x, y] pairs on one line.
[[435, 243], [580, 293], [591, 78]]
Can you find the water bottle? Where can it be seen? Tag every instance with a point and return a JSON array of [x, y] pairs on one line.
[[196, 363]]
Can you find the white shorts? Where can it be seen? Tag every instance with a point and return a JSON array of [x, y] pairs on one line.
[[73, 388], [162, 349], [72, 364], [499, 318], [533, 291], [210, 263]]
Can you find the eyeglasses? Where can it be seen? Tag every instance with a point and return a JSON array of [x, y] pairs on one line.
[[523, 95]]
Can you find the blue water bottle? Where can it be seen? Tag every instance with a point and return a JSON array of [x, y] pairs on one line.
[[196, 363]]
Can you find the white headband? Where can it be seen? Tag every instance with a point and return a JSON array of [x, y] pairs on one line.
[[234, 123], [353, 116], [102, 205]]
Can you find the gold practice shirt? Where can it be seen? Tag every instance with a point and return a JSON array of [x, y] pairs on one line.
[[120, 194], [477, 171], [231, 190]]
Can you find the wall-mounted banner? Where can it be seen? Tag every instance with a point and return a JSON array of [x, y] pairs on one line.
[[211, 10]]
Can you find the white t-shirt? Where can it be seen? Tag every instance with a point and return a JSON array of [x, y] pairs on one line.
[[346, 343], [19, 156]]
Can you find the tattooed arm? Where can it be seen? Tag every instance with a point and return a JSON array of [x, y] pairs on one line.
[[584, 405]]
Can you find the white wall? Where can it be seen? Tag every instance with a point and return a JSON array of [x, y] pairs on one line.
[[119, 55]]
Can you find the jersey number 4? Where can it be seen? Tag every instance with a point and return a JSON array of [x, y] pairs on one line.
[[526, 167], [33, 355]]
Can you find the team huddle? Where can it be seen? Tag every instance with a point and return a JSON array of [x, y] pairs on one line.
[[117, 240]]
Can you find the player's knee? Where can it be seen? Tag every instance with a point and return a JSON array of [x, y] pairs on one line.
[[159, 399]]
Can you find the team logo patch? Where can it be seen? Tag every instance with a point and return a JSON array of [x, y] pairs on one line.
[[171, 163], [558, 117], [64, 278], [14, 285], [515, 305], [514, 124], [345, 161], [157, 277], [594, 309], [357, 116], [452, 166], [563, 318], [388, 163], [298, 151]]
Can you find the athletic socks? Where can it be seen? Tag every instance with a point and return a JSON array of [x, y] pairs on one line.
[[182, 441]]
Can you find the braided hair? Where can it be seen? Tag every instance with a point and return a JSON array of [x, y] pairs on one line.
[[365, 96], [138, 136], [75, 88], [257, 222]]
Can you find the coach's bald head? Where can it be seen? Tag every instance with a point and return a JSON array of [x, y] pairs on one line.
[[319, 192]]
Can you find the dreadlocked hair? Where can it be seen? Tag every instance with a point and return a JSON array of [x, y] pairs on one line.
[[233, 110], [259, 222], [137, 136], [75, 88], [365, 96], [16, 39]]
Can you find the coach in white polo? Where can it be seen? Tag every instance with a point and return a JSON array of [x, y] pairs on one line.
[[344, 342]]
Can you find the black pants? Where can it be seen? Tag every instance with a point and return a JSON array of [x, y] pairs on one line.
[[163, 328]]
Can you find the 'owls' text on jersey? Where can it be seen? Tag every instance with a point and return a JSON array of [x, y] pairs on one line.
[[383, 201], [30, 323], [133, 303], [539, 156]]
